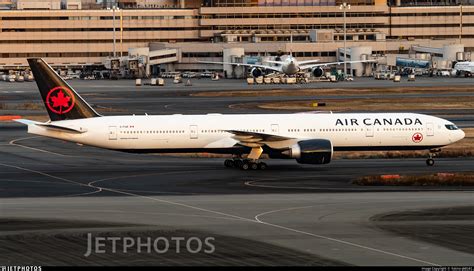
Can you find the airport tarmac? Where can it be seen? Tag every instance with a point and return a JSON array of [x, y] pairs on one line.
[[301, 215], [206, 84], [54, 193], [122, 97]]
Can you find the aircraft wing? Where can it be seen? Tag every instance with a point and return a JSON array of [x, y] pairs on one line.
[[308, 61], [255, 139], [299, 62], [274, 62], [310, 66], [265, 67]]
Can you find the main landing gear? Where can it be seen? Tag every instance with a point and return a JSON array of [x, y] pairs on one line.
[[250, 163], [430, 161], [245, 164]]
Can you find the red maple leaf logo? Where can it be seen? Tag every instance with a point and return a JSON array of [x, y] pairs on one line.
[[60, 100], [417, 137], [62, 103]]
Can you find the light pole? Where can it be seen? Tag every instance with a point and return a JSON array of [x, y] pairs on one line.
[[344, 6], [114, 8], [460, 23]]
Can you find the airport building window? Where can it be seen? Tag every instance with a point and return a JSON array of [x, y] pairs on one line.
[[272, 3], [162, 56], [202, 54]]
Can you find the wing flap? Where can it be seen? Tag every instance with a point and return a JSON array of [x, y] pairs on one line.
[[256, 137]]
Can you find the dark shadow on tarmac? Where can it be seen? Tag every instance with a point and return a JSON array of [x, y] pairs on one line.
[[448, 227]]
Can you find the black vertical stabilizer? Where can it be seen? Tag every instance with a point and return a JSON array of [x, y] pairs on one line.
[[61, 100]]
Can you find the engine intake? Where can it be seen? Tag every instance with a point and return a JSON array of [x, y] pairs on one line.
[[317, 72], [314, 151], [256, 72]]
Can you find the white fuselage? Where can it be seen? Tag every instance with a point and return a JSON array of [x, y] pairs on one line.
[[209, 133], [290, 66]]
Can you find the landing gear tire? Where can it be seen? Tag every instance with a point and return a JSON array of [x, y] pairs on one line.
[[238, 163], [229, 163], [262, 166], [245, 164], [432, 153], [430, 162]]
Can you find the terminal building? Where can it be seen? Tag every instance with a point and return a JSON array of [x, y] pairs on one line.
[[176, 34]]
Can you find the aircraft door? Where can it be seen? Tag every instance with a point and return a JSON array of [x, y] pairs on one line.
[[429, 129], [112, 132], [193, 132], [275, 129], [369, 131]]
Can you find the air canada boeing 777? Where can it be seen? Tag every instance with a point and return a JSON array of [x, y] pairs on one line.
[[310, 138]]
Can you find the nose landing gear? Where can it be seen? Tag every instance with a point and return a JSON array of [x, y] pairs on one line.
[[430, 161]]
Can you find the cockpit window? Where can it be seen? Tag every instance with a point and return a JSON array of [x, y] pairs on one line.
[[451, 127]]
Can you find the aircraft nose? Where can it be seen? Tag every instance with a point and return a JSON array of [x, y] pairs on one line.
[[462, 134], [457, 135]]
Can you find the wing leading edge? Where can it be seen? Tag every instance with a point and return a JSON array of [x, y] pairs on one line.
[[310, 66], [265, 67]]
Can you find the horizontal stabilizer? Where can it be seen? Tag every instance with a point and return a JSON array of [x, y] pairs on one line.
[[26, 122], [62, 128], [52, 126]]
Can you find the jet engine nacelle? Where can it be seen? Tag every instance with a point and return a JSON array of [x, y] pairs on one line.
[[256, 72], [313, 151], [454, 72], [317, 72]]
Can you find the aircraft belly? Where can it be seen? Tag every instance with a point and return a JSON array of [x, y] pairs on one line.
[[177, 142]]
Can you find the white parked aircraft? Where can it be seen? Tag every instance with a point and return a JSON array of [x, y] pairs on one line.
[[289, 66], [465, 67], [310, 138]]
